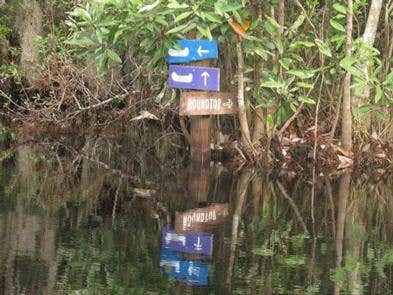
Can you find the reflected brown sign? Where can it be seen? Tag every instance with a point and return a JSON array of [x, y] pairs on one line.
[[196, 103], [199, 219]]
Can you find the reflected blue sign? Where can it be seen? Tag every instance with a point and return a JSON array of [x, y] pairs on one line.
[[193, 243], [193, 50], [189, 272]]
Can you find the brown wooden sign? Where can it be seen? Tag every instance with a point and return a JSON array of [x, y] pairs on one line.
[[197, 103], [201, 218]]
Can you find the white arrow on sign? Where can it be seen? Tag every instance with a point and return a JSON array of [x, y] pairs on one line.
[[228, 104], [205, 75], [193, 270], [202, 51], [182, 78], [179, 52], [198, 245]]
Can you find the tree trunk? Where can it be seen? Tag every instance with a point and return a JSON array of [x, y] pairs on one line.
[[343, 193], [281, 16], [30, 26], [259, 125], [368, 38], [245, 130], [346, 135], [241, 191], [259, 130], [4, 44]]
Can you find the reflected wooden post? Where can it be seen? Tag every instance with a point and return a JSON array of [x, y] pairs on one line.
[[198, 182], [200, 139]]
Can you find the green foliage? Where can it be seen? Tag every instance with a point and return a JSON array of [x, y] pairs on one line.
[[105, 31], [298, 64]]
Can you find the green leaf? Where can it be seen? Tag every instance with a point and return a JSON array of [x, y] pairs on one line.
[[269, 123], [113, 56], [177, 29], [306, 99], [214, 18], [160, 96], [301, 43], [221, 7], [270, 25], [116, 36], [298, 22], [378, 94], [302, 74], [323, 47], [272, 84], [279, 46], [282, 115], [347, 64], [263, 252], [337, 25], [340, 8], [205, 32], [273, 22], [285, 62], [81, 13], [81, 42], [182, 16], [176, 5], [304, 85], [389, 79], [149, 7], [363, 110]]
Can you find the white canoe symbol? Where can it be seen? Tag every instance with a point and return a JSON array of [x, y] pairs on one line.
[[181, 78], [179, 52], [170, 263], [172, 237]]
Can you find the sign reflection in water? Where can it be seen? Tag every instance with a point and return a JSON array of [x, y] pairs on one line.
[[201, 218], [189, 272], [193, 243]]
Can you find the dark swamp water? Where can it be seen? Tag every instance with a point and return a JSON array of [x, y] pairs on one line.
[[106, 214]]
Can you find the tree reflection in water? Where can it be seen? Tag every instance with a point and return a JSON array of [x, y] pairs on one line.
[[84, 219]]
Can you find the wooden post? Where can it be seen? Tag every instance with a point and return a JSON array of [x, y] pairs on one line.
[[200, 132]]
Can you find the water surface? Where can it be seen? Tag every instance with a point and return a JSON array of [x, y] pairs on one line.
[[106, 216]]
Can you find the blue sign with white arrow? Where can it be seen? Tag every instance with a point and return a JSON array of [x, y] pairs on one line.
[[193, 243], [193, 50], [199, 78], [190, 272]]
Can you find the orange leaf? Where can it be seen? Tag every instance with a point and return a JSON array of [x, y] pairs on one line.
[[237, 27], [246, 25]]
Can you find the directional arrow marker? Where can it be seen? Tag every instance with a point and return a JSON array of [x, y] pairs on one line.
[[228, 104], [205, 75], [192, 243], [201, 51], [198, 245], [200, 78], [192, 50]]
